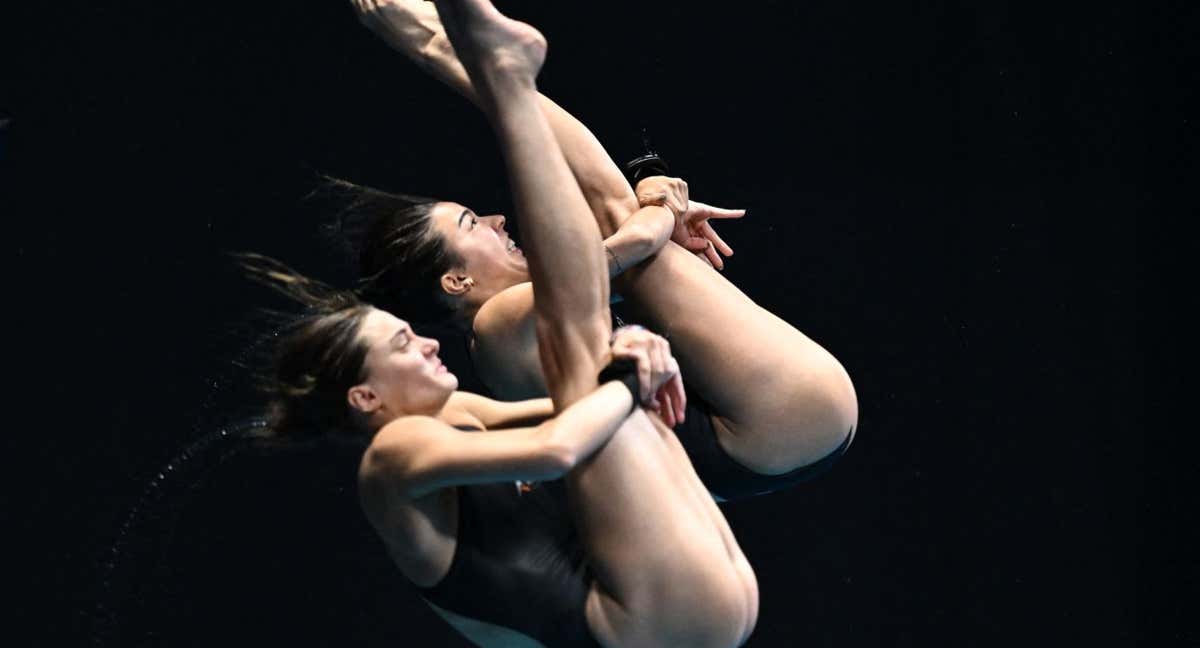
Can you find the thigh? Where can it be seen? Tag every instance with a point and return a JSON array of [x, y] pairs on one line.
[[784, 400], [662, 564]]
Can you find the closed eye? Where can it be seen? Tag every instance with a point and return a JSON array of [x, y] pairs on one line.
[[400, 339]]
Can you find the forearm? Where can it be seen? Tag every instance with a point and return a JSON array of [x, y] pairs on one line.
[[642, 235], [586, 425]]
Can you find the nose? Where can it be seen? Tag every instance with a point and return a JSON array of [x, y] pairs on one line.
[[497, 222], [431, 347]]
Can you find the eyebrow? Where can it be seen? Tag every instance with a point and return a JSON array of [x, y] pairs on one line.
[[462, 216]]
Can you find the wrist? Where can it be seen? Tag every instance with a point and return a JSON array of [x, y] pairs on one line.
[[615, 267], [624, 371], [640, 237]]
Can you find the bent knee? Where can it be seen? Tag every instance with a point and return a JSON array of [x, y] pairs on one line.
[[827, 389], [809, 416], [824, 408]]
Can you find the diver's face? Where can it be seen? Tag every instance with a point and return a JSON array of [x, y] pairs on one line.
[[490, 258], [403, 372]]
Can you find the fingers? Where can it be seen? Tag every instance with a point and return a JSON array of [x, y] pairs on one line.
[[645, 374], [711, 234], [713, 258], [714, 212], [666, 408], [679, 207], [657, 198], [658, 361], [680, 196], [672, 397], [627, 348], [672, 400], [658, 371], [663, 191], [695, 243], [678, 397]]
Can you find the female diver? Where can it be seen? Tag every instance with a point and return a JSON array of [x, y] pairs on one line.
[[759, 422], [446, 479]]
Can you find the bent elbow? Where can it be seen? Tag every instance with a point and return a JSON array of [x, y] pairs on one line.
[[558, 456], [560, 461]]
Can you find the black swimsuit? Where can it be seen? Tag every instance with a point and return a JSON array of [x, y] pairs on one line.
[[518, 563], [722, 475]]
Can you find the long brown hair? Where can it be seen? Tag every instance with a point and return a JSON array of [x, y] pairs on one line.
[[400, 257], [318, 355]]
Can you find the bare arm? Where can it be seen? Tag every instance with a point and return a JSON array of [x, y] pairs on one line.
[[419, 455], [643, 234]]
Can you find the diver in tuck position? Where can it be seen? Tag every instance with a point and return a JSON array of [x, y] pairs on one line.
[[756, 422], [628, 549]]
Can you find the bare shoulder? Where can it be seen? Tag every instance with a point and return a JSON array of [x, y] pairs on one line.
[[392, 443], [419, 533], [382, 470], [505, 315], [469, 408]]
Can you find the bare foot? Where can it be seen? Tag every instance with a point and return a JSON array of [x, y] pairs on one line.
[[490, 44], [413, 28]]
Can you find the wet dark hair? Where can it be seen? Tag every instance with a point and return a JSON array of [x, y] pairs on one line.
[[312, 359], [318, 355], [400, 257]]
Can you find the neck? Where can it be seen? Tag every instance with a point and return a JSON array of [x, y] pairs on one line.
[[464, 318], [469, 305]]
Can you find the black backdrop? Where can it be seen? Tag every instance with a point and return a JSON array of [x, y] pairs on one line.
[[950, 197]]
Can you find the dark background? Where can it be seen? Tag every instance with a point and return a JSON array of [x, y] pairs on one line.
[[958, 199]]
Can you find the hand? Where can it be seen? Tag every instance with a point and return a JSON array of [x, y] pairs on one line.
[[663, 191], [702, 239], [658, 372], [692, 230]]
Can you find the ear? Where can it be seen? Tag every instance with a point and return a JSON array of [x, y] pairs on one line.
[[456, 284], [363, 399]]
